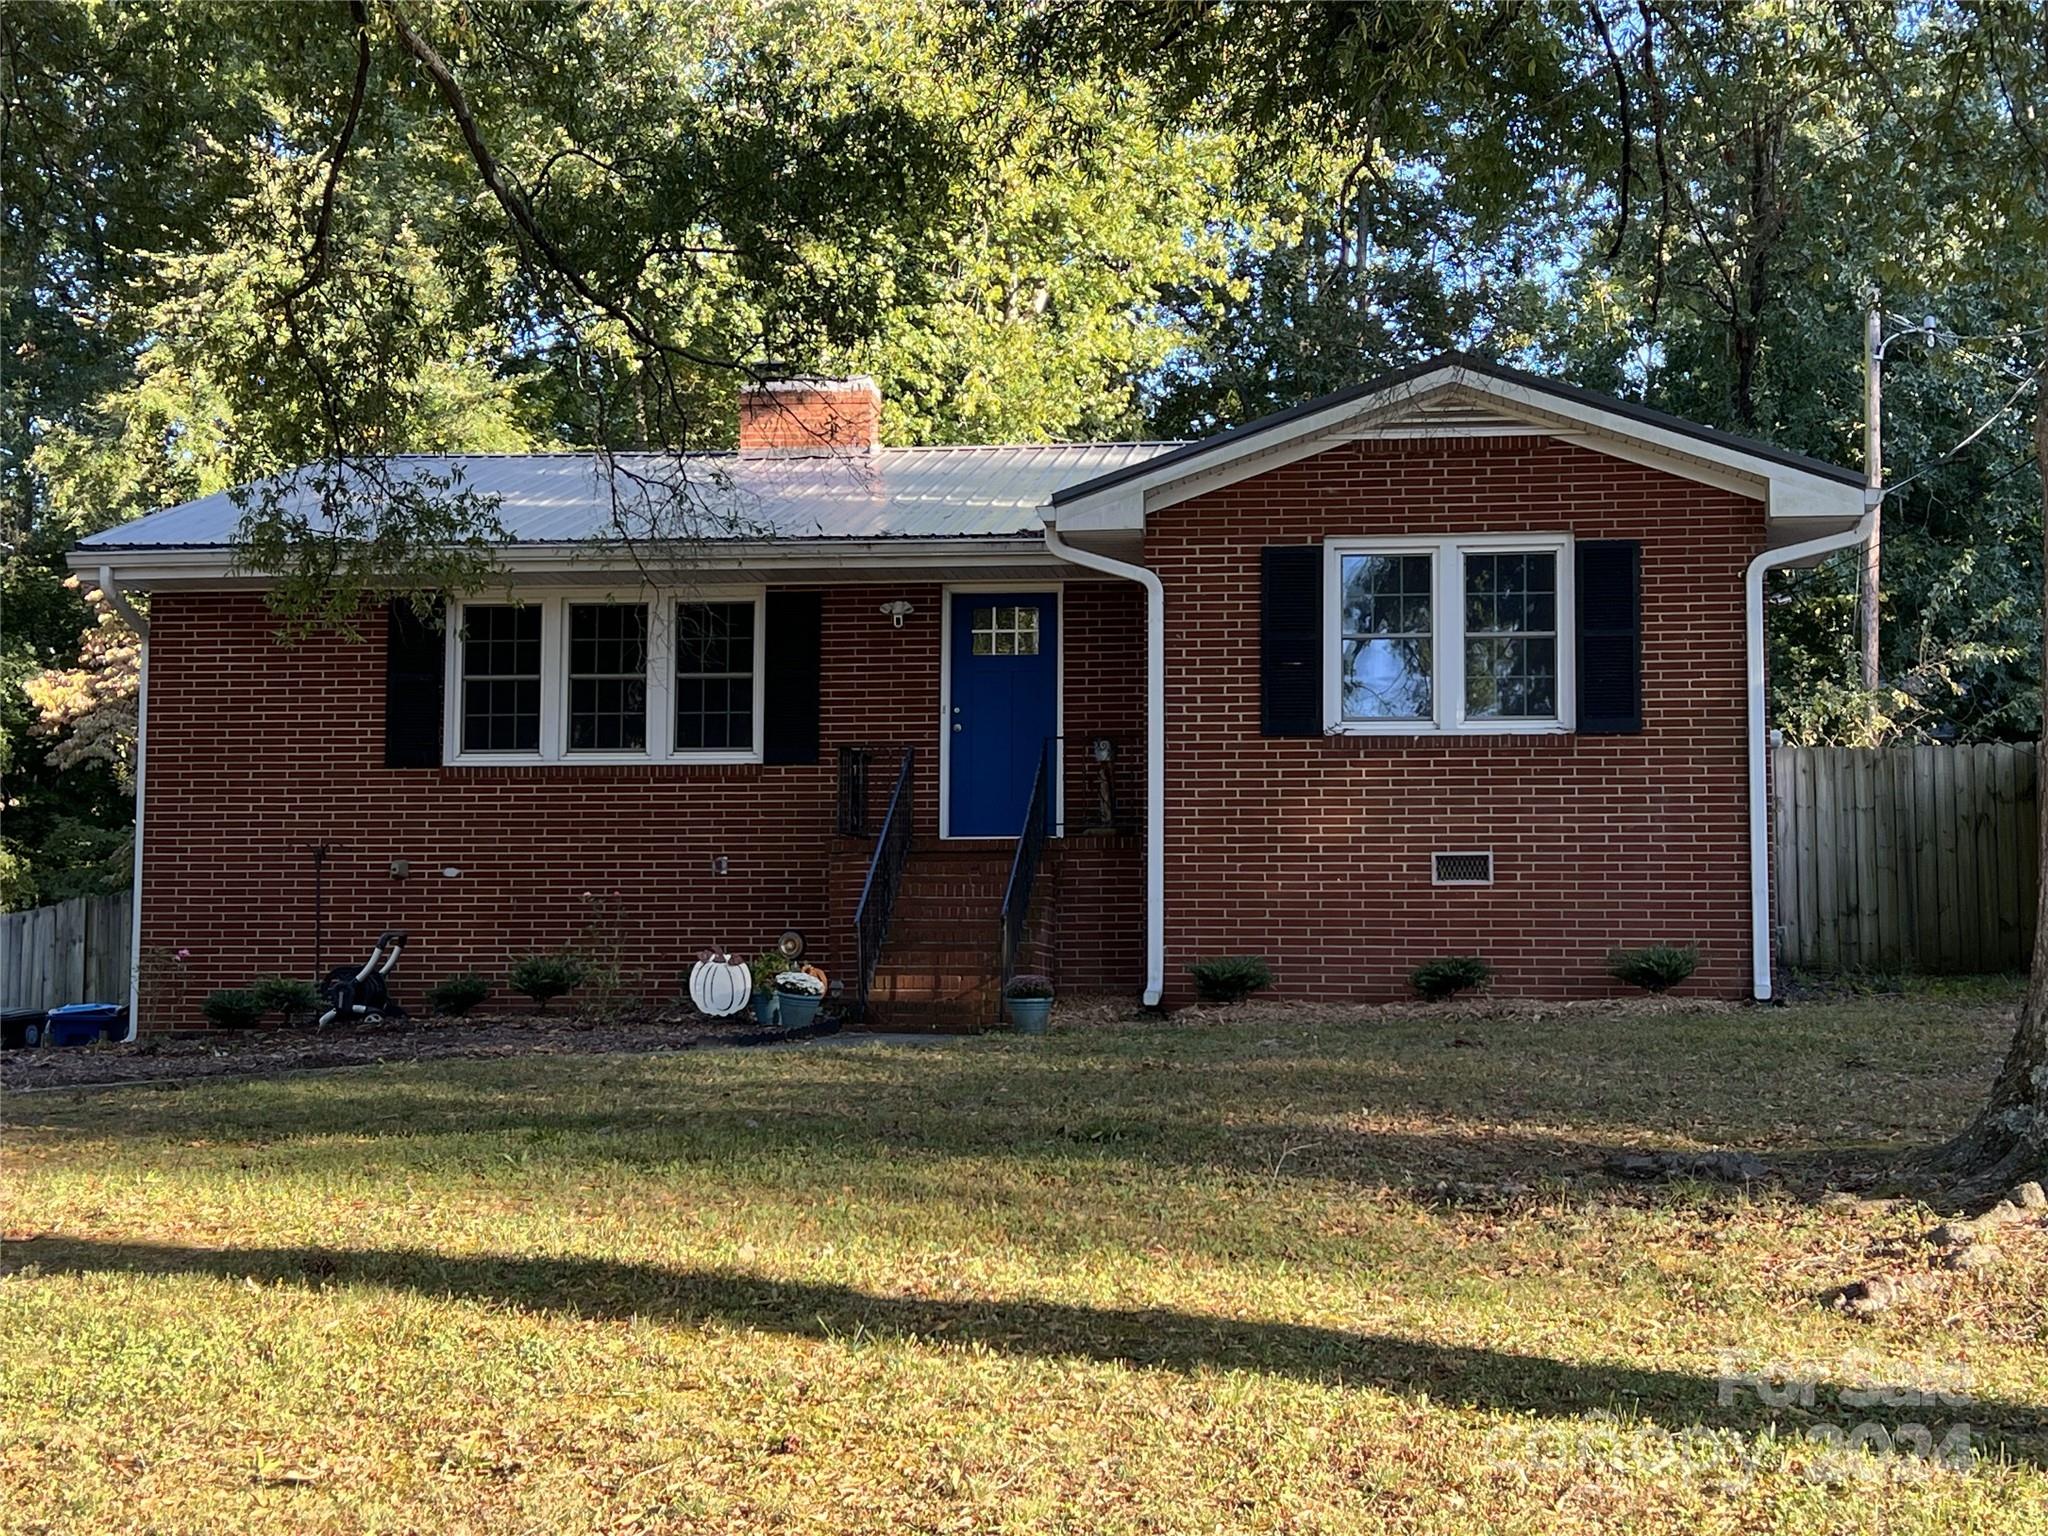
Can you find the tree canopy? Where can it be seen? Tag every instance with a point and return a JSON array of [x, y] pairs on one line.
[[243, 239]]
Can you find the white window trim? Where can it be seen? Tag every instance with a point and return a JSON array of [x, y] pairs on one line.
[[1447, 639], [554, 680]]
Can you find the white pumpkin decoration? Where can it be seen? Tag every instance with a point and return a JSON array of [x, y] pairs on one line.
[[720, 985]]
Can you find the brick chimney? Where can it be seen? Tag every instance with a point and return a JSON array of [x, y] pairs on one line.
[[809, 415]]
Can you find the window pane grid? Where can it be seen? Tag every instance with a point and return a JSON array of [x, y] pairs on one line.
[[1511, 635], [500, 694], [607, 677], [1005, 630], [714, 677], [1387, 636]]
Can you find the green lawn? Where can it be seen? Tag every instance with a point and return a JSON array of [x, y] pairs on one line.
[[1264, 1271]]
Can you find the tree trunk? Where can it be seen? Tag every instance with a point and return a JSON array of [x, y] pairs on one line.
[[2008, 1141]]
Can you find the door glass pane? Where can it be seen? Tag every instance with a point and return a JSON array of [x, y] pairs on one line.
[[1005, 631]]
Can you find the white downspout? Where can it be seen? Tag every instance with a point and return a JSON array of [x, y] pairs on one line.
[[1759, 809], [1155, 748], [118, 601]]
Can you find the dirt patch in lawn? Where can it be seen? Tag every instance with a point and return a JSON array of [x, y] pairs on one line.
[[259, 1053]]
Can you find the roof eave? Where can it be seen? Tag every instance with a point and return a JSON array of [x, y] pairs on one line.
[[213, 564], [1791, 485]]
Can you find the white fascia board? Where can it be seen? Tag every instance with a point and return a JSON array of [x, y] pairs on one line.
[[145, 567], [1120, 510]]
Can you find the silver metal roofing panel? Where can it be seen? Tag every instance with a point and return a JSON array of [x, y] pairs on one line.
[[550, 498]]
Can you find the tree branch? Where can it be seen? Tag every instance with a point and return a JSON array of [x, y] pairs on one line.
[[323, 224], [1624, 178], [520, 212]]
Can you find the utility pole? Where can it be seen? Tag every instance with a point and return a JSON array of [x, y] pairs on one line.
[[1874, 344], [1873, 473]]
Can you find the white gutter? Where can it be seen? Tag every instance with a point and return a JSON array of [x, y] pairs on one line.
[[1155, 748], [118, 601], [1759, 809]]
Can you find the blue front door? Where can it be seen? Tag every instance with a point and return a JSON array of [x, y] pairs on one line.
[[1004, 707]]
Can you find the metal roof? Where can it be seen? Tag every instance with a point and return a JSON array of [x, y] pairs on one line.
[[567, 498], [1190, 453]]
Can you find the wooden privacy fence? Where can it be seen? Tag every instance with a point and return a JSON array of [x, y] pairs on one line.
[[73, 952], [1905, 858]]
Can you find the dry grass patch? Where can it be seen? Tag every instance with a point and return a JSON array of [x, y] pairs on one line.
[[1254, 1269]]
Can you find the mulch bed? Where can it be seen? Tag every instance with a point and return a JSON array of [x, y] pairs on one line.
[[259, 1053]]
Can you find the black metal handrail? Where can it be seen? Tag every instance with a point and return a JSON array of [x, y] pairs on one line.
[[1024, 866], [1105, 784], [885, 877]]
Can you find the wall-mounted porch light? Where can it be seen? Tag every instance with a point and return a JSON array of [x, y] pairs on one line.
[[898, 611]]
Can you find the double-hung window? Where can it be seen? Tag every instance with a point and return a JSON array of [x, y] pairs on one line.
[[1448, 634], [607, 677], [562, 677], [715, 676], [498, 651]]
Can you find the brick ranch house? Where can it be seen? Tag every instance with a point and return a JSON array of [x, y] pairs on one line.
[[1457, 661]]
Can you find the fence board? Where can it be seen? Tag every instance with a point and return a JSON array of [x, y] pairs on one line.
[[74, 951], [1905, 858]]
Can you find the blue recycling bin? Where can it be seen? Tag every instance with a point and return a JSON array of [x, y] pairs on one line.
[[85, 1023]]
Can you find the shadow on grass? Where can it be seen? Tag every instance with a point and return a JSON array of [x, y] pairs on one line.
[[1154, 1339]]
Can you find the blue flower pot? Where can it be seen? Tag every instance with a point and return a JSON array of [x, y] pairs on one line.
[[798, 1012], [764, 1009], [1029, 1015]]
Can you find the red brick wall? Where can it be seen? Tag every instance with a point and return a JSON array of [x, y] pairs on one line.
[[257, 751], [1315, 853]]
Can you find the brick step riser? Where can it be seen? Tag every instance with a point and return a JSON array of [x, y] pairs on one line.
[[976, 989], [977, 960], [939, 933]]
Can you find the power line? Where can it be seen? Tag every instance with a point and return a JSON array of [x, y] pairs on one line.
[[1978, 431]]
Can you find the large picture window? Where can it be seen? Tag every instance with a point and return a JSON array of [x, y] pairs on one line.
[[569, 677], [1448, 634]]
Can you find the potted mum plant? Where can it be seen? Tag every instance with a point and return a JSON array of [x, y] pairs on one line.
[[798, 994], [766, 967], [1030, 1002]]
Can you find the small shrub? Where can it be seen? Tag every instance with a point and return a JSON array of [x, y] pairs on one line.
[[1230, 978], [233, 1009], [1439, 979], [1658, 968], [766, 966], [1029, 986], [286, 995], [799, 984], [546, 977], [458, 994]]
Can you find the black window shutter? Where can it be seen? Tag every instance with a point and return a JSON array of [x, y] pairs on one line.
[[795, 639], [1610, 609], [415, 679], [1291, 640]]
